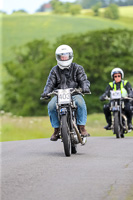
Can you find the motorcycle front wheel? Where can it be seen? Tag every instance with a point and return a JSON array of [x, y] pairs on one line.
[[117, 128], [65, 135]]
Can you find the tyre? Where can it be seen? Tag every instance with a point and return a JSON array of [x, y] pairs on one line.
[[65, 136], [117, 129]]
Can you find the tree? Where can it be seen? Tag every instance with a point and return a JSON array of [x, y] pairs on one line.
[[95, 8], [28, 75], [75, 9], [57, 6], [112, 12], [19, 11], [87, 3]]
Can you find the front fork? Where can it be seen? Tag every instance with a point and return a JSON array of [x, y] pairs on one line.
[[118, 108], [64, 111]]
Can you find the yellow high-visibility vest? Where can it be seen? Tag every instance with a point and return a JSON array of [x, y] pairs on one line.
[[113, 85]]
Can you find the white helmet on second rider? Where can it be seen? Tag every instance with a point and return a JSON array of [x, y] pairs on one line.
[[64, 56], [117, 71]]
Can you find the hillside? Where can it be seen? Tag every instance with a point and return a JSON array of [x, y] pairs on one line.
[[20, 29]]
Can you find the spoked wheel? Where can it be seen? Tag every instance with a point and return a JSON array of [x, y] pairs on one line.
[[117, 128], [65, 136]]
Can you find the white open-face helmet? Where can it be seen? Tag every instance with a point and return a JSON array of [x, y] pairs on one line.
[[64, 56], [117, 71]]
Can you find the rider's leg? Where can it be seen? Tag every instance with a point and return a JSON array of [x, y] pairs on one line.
[[107, 113], [81, 114], [53, 118]]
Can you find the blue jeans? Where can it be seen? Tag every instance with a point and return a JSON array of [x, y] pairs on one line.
[[81, 111]]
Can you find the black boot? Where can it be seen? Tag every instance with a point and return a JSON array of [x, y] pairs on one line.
[[109, 121], [55, 135], [130, 126], [108, 127], [107, 116]]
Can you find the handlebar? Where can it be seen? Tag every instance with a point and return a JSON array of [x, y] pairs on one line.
[[129, 98], [55, 92]]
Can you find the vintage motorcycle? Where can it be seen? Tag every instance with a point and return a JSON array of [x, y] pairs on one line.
[[66, 108], [119, 119]]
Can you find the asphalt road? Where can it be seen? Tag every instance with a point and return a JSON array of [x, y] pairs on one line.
[[39, 170]]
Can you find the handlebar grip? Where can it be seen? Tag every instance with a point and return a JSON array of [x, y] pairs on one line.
[[41, 98], [45, 98]]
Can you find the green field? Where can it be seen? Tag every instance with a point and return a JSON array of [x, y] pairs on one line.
[[25, 128], [126, 11], [20, 29]]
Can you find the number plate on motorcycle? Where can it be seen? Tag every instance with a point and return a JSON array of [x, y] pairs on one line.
[[64, 96], [115, 94]]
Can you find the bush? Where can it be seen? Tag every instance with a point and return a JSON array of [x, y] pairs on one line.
[[112, 12], [95, 8], [75, 9]]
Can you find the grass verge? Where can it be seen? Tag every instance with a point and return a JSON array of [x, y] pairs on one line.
[[26, 128]]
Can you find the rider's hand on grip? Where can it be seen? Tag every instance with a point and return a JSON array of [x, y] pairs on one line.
[[86, 90], [130, 94], [45, 95], [103, 97]]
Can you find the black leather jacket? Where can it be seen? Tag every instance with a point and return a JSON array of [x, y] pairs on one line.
[[73, 77], [128, 87]]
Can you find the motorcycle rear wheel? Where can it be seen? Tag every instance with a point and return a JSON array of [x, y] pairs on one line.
[[65, 136]]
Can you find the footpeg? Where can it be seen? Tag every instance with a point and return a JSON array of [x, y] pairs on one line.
[[84, 140]]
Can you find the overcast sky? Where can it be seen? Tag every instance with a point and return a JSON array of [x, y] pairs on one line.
[[29, 5]]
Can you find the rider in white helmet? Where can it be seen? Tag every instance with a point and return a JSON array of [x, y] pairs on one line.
[[117, 71], [117, 75], [64, 56], [67, 74]]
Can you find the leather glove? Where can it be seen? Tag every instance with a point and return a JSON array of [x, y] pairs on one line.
[[130, 94], [86, 90], [102, 98], [45, 95]]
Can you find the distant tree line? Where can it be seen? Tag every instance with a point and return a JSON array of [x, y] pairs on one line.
[[98, 52], [104, 3], [65, 7]]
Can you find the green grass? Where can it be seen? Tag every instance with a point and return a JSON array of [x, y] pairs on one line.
[[126, 11], [25, 128], [20, 29]]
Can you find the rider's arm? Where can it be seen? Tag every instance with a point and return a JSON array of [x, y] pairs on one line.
[[128, 87], [107, 90], [51, 81], [106, 93], [82, 79]]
